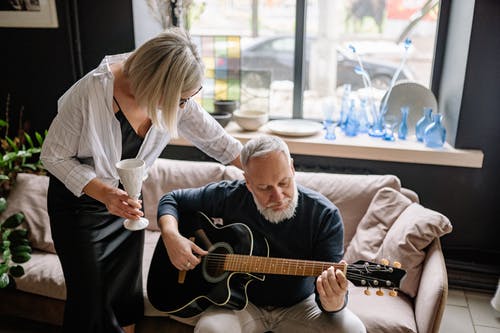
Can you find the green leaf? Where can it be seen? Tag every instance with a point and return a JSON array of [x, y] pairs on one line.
[[3, 202], [12, 144], [29, 166], [4, 268], [20, 241], [23, 153], [4, 280], [3, 123], [16, 271], [11, 156], [20, 249], [13, 221], [6, 255], [4, 177], [20, 258], [18, 234], [28, 139], [39, 138], [5, 244]]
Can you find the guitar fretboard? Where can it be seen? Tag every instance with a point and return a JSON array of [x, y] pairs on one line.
[[280, 266]]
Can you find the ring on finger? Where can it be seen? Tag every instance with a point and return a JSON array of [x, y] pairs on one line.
[[188, 264]]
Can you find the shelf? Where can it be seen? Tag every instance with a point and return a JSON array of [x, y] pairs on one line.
[[366, 148]]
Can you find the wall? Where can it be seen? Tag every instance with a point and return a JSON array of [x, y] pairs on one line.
[[38, 65]]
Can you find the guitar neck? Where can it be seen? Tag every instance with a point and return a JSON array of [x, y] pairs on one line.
[[279, 266]]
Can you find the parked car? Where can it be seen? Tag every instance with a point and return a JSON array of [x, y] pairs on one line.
[[276, 56]]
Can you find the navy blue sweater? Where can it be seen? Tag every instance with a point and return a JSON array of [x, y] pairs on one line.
[[314, 233]]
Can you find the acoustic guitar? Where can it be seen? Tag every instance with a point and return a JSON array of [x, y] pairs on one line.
[[238, 256]]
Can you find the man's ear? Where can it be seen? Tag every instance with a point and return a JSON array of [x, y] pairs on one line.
[[291, 166], [247, 182]]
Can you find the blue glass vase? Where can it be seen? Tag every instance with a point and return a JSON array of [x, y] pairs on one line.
[[352, 121], [422, 124], [435, 133], [403, 125]]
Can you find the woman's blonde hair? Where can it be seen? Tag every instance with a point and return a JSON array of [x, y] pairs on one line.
[[161, 70]]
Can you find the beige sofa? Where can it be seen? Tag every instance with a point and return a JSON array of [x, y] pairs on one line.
[[382, 220]]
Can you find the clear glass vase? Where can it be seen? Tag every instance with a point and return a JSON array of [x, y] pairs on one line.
[[435, 133], [422, 124]]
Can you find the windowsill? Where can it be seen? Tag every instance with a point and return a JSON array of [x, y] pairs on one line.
[[366, 148]]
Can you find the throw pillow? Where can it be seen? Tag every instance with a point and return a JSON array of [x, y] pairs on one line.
[[396, 229], [29, 196], [387, 204], [405, 242]]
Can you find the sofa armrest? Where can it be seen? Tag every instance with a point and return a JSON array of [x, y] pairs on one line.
[[432, 291]]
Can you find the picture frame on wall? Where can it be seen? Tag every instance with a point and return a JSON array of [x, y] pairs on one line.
[[28, 14]]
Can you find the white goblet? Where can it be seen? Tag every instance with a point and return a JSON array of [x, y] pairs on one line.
[[132, 173]]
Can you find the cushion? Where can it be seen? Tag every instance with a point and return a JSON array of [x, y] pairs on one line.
[[385, 208], [44, 276], [29, 196], [411, 233], [382, 314], [396, 229], [166, 175]]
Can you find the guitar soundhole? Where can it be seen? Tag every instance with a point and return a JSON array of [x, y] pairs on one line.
[[213, 263]]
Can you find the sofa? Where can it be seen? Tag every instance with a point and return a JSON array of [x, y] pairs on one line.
[[382, 220]]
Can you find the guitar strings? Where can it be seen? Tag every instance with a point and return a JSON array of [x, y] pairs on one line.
[[214, 261]]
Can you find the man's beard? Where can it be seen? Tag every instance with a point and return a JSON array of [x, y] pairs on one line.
[[281, 215]]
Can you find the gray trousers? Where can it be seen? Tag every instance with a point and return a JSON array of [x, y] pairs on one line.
[[302, 317]]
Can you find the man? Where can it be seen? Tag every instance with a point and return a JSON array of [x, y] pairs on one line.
[[298, 223]]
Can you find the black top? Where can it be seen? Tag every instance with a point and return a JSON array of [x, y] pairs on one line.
[[131, 142]]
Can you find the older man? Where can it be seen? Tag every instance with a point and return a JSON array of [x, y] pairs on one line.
[[297, 223]]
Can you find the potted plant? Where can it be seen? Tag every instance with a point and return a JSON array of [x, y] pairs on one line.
[[17, 154]]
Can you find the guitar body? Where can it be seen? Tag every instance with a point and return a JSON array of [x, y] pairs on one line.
[[207, 284]]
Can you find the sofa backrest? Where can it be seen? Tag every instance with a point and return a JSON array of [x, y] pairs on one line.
[[351, 193], [166, 175]]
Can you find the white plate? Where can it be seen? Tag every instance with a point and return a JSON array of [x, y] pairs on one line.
[[413, 95], [294, 127]]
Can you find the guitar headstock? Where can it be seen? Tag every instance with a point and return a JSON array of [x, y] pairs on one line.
[[368, 274]]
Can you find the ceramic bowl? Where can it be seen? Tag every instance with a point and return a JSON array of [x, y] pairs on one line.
[[250, 120], [225, 105], [222, 118]]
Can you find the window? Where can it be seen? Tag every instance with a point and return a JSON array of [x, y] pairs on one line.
[[268, 30]]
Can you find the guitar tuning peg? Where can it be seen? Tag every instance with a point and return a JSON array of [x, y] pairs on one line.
[[380, 292], [393, 293], [384, 262], [397, 264], [367, 292]]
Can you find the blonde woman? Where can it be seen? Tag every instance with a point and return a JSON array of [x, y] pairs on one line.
[[130, 106]]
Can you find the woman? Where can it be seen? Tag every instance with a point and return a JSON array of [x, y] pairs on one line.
[[130, 106]]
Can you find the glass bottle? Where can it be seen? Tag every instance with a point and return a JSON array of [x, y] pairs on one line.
[[422, 124], [403, 125], [435, 133]]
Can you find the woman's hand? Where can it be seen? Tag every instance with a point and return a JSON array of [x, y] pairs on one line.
[[116, 200], [119, 203]]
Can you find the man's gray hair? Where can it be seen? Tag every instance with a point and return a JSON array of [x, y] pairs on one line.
[[263, 145]]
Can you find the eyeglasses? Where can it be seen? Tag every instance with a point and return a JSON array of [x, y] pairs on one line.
[[183, 101]]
